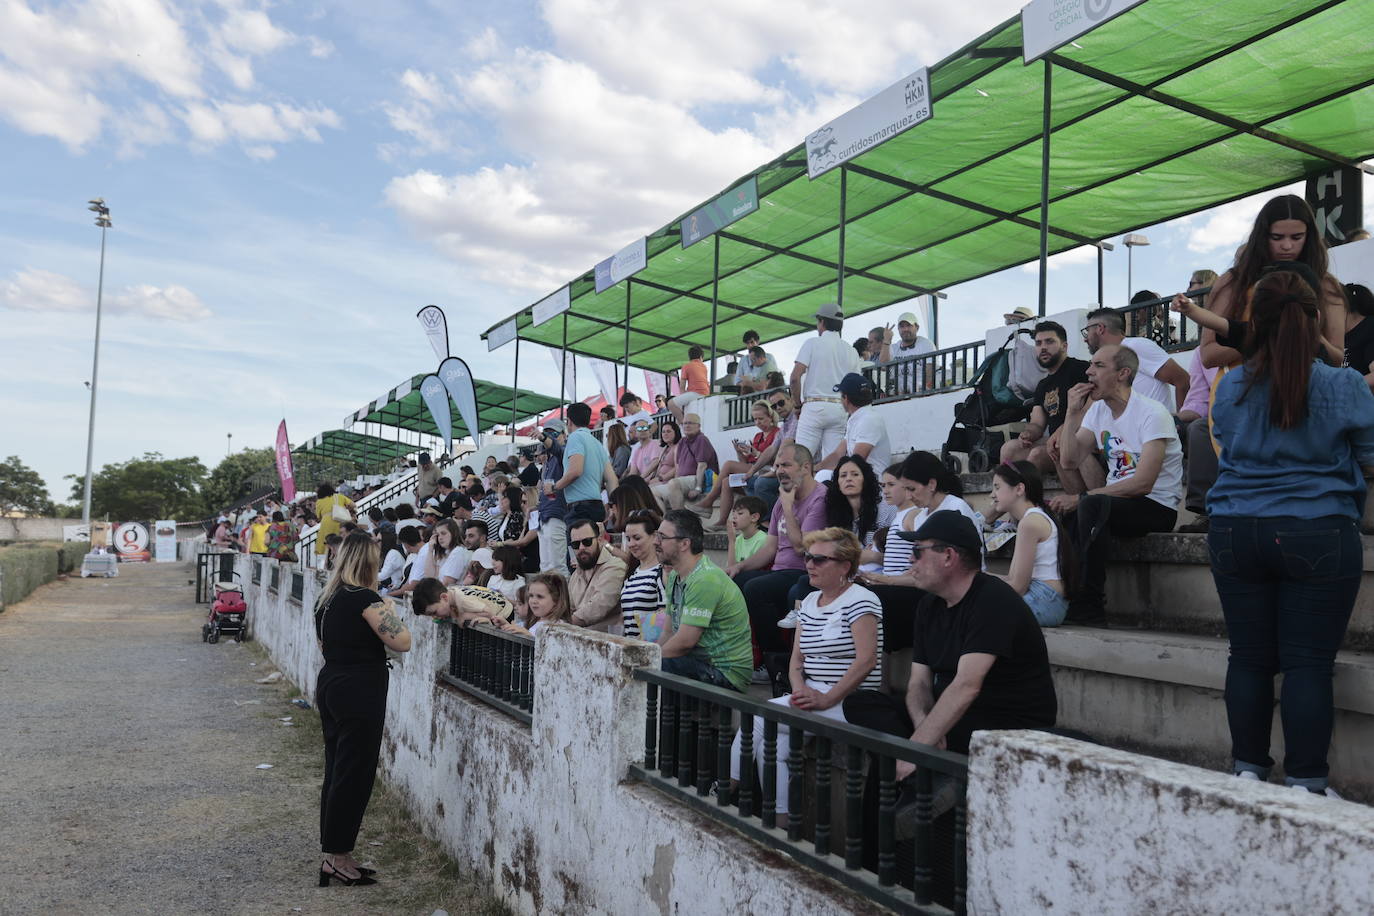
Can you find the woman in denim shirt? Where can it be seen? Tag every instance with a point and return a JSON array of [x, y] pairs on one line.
[[1285, 538]]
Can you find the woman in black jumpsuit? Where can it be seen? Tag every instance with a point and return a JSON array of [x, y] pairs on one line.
[[355, 625]]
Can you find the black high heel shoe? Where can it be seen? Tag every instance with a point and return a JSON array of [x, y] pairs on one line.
[[328, 874]]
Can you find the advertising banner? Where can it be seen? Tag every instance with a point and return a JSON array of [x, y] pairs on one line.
[[897, 108], [1337, 199], [501, 335], [76, 532], [131, 542], [457, 378], [605, 379], [626, 262], [569, 372], [551, 306], [734, 204], [651, 387], [285, 470], [435, 396], [432, 319], [165, 541], [1049, 24]]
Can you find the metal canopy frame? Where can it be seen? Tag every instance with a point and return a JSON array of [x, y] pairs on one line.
[[1144, 41], [356, 448], [495, 405]]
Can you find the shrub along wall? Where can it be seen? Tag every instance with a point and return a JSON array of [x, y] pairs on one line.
[[24, 567]]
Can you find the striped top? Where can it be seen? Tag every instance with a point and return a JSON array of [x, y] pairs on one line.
[[642, 593], [827, 644], [897, 552]]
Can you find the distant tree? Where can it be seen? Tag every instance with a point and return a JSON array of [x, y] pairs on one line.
[[147, 488], [232, 478], [22, 490]]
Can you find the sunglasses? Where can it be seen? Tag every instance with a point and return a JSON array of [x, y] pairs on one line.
[[778, 404], [641, 427], [818, 559], [917, 548], [584, 542], [660, 536]]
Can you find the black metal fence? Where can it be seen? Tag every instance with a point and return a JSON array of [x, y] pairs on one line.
[[930, 373], [273, 578], [297, 586], [256, 574], [1152, 318], [739, 411], [494, 666], [212, 566], [846, 807]]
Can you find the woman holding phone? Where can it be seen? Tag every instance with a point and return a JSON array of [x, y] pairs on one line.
[[748, 452]]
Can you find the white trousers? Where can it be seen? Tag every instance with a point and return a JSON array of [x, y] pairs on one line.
[[821, 427], [834, 712]]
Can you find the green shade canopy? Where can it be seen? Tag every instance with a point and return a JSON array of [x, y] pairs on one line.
[[355, 448], [404, 408], [1173, 107]]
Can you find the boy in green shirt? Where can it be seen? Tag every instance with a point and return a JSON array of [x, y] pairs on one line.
[[712, 640], [745, 537]]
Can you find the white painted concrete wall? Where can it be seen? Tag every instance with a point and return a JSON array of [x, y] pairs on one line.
[[1059, 826], [544, 811]]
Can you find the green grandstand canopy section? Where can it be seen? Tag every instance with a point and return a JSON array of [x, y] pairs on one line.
[[1173, 107], [404, 408], [355, 448]]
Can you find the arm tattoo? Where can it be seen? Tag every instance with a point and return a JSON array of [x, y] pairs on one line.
[[390, 624]]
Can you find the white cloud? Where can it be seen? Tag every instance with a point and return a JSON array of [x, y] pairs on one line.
[[73, 72], [573, 151], [1228, 226], [1084, 254], [257, 125], [319, 48], [35, 290]]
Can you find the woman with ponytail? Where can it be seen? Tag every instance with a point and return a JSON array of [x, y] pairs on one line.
[[1041, 559], [1285, 543]]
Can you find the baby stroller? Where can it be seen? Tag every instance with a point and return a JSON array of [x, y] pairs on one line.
[[992, 403], [227, 613]]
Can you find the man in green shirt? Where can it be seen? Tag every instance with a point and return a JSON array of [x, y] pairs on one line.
[[711, 641]]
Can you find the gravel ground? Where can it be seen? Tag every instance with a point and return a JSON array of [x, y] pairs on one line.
[[130, 784]]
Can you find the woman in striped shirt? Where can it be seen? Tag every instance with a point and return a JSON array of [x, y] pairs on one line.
[[837, 649], [641, 596]]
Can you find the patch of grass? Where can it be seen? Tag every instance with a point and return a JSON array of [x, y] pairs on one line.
[[417, 876]]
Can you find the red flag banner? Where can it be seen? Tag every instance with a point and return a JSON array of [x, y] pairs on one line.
[[284, 470]]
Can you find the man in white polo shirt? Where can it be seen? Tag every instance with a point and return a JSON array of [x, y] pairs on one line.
[[865, 435], [822, 362]]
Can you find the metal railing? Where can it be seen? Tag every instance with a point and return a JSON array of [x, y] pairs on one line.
[[930, 373], [212, 566], [739, 411], [257, 571], [1153, 319], [494, 666], [273, 578], [297, 586], [688, 731]]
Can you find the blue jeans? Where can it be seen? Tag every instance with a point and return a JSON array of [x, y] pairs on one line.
[[1048, 606], [765, 488], [697, 669], [1287, 587]]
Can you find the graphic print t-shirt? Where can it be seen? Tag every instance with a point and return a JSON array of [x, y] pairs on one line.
[[1122, 440], [1052, 394]]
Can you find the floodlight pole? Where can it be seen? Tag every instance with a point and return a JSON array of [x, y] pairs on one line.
[[839, 280], [102, 219], [715, 293], [1045, 192], [1101, 247]]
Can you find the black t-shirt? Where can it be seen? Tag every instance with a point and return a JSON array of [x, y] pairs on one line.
[[529, 475], [1018, 691], [1052, 394], [448, 503], [1359, 346], [348, 638]]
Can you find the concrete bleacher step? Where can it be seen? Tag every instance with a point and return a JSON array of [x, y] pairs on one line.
[[1162, 694]]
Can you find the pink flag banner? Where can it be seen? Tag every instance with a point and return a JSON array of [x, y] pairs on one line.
[[651, 385], [285, 472]]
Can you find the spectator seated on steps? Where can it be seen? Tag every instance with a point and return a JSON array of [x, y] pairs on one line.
[[1039, 441]]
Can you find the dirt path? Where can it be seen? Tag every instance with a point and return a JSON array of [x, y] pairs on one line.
[[128, 770]]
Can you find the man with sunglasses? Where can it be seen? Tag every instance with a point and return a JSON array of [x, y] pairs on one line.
[[978, 656], [595, 583], [553, 505], [762, 481], [711, 640]]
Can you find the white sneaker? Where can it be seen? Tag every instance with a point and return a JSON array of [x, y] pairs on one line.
[[761, 676], [1328, 792], [791, 621], [1248, 774]]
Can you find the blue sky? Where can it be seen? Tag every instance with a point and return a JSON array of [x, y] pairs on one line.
[[290, 182]]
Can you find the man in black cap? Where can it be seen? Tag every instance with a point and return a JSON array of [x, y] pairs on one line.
[[978, 657], [865, 433]]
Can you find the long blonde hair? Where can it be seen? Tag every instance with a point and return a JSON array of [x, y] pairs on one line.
[[355, 565]]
